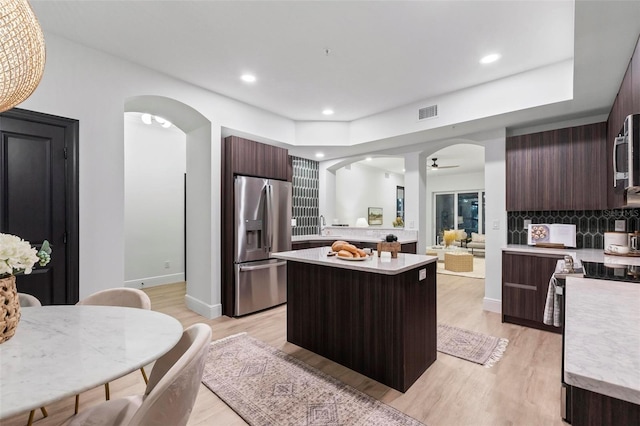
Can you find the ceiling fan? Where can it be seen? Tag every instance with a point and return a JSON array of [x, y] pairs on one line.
[[435, 165]]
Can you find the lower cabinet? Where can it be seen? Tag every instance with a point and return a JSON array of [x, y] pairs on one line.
[[591, 408], [525, 282]]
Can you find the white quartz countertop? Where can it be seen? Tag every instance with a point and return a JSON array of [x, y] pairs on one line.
[[585, 255], [602, 337], [379, 265], [331, 238]]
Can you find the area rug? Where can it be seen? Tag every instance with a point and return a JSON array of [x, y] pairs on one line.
[[478, 269], [471, 346], [266, 386]]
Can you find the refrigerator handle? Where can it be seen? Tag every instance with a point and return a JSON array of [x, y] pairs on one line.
[[269, 224], [265, 266], [265, 219]]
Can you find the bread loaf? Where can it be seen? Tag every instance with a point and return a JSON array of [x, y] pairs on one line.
[[345, 253], [350, 247], [337, 245]]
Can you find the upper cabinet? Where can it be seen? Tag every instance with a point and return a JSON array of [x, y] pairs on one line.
[[627, 102], [246, 157], [557, 170]]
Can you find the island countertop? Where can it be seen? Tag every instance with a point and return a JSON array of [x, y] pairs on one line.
[[378, 265], [602, 337]]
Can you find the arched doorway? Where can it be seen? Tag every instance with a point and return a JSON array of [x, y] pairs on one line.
[[202, 269]]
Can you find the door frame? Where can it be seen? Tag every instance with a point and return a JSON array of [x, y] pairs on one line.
[[71, 139]]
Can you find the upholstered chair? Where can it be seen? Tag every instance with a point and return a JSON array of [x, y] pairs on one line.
[[27, 300], [121, 296], [170, 394]]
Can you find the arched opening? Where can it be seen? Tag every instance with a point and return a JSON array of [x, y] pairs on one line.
[[200, 266]]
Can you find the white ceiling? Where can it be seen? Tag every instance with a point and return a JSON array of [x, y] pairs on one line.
[[382, 54]]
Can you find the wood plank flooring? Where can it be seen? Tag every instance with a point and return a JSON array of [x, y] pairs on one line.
[[522, 389]]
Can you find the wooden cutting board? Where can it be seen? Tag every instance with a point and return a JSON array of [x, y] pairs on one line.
[[551, 245]]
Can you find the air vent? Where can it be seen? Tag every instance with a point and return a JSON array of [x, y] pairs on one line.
[[428, 112]]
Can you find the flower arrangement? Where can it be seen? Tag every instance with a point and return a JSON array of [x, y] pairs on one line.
[[449, 237], [18, 257], [398, 222]]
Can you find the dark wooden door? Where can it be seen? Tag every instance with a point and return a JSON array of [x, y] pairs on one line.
[[38, 196]]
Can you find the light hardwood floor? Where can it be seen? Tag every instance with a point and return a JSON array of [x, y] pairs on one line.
[[522, 389]]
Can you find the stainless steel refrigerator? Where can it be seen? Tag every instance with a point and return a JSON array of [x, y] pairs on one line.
[[263, 226]]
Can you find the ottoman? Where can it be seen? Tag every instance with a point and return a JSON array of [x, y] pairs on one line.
[[458, 262]]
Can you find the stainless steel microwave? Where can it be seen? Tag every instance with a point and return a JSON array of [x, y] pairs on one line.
[[626, 154]]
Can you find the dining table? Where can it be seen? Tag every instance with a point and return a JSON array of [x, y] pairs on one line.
[[63, 350]]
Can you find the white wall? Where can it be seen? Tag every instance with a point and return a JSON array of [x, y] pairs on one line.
[[363, 187], [155, 163], [496, 219]]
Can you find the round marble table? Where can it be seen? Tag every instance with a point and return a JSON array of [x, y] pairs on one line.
[[60, 351]]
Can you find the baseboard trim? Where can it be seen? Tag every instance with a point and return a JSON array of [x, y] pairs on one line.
[[492, 305], [154, 281], [204, 309]]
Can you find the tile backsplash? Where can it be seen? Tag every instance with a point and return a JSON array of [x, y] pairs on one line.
[[590, 224], [304, 203]]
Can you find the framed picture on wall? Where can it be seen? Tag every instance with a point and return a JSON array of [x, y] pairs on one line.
[[375, 216]]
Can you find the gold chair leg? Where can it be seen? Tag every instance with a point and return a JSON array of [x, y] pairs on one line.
[[107, 395], [144, 376], [44, 412], [77, 403], [31, 414]]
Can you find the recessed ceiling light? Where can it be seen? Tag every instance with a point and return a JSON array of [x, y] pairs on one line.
[[327, 111], [404, 170], [368, 158], [248, 78], [146, 118], [490, 58], [319, 155]]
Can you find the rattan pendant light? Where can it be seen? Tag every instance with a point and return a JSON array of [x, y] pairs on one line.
[[22, 52]]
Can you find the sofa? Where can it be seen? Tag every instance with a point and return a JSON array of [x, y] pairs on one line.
[[475, 243]]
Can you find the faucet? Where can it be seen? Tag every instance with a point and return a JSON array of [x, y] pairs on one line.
[[321, 224]]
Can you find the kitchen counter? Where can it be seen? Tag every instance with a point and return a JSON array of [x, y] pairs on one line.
[[363, 238], [602, 337], [586, 255], [379, 265]]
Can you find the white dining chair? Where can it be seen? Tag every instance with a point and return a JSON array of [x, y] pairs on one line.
[[121, 296], [27, 300], [170, 394]]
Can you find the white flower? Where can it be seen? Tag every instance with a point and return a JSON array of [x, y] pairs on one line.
[[16, 255]]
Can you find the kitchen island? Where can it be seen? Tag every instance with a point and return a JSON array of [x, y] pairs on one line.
[[376, 316]]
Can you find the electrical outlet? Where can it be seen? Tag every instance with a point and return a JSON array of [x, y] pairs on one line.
[[621, 225], [422, 274], [167, 264], [496, 225], [293, 222]]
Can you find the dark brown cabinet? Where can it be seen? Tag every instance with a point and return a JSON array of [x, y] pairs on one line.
[[249, 158], [627, 102], [557, 170], [525, 282]]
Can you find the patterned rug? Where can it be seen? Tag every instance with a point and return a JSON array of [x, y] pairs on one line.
[[471, 346], [266, 386]]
